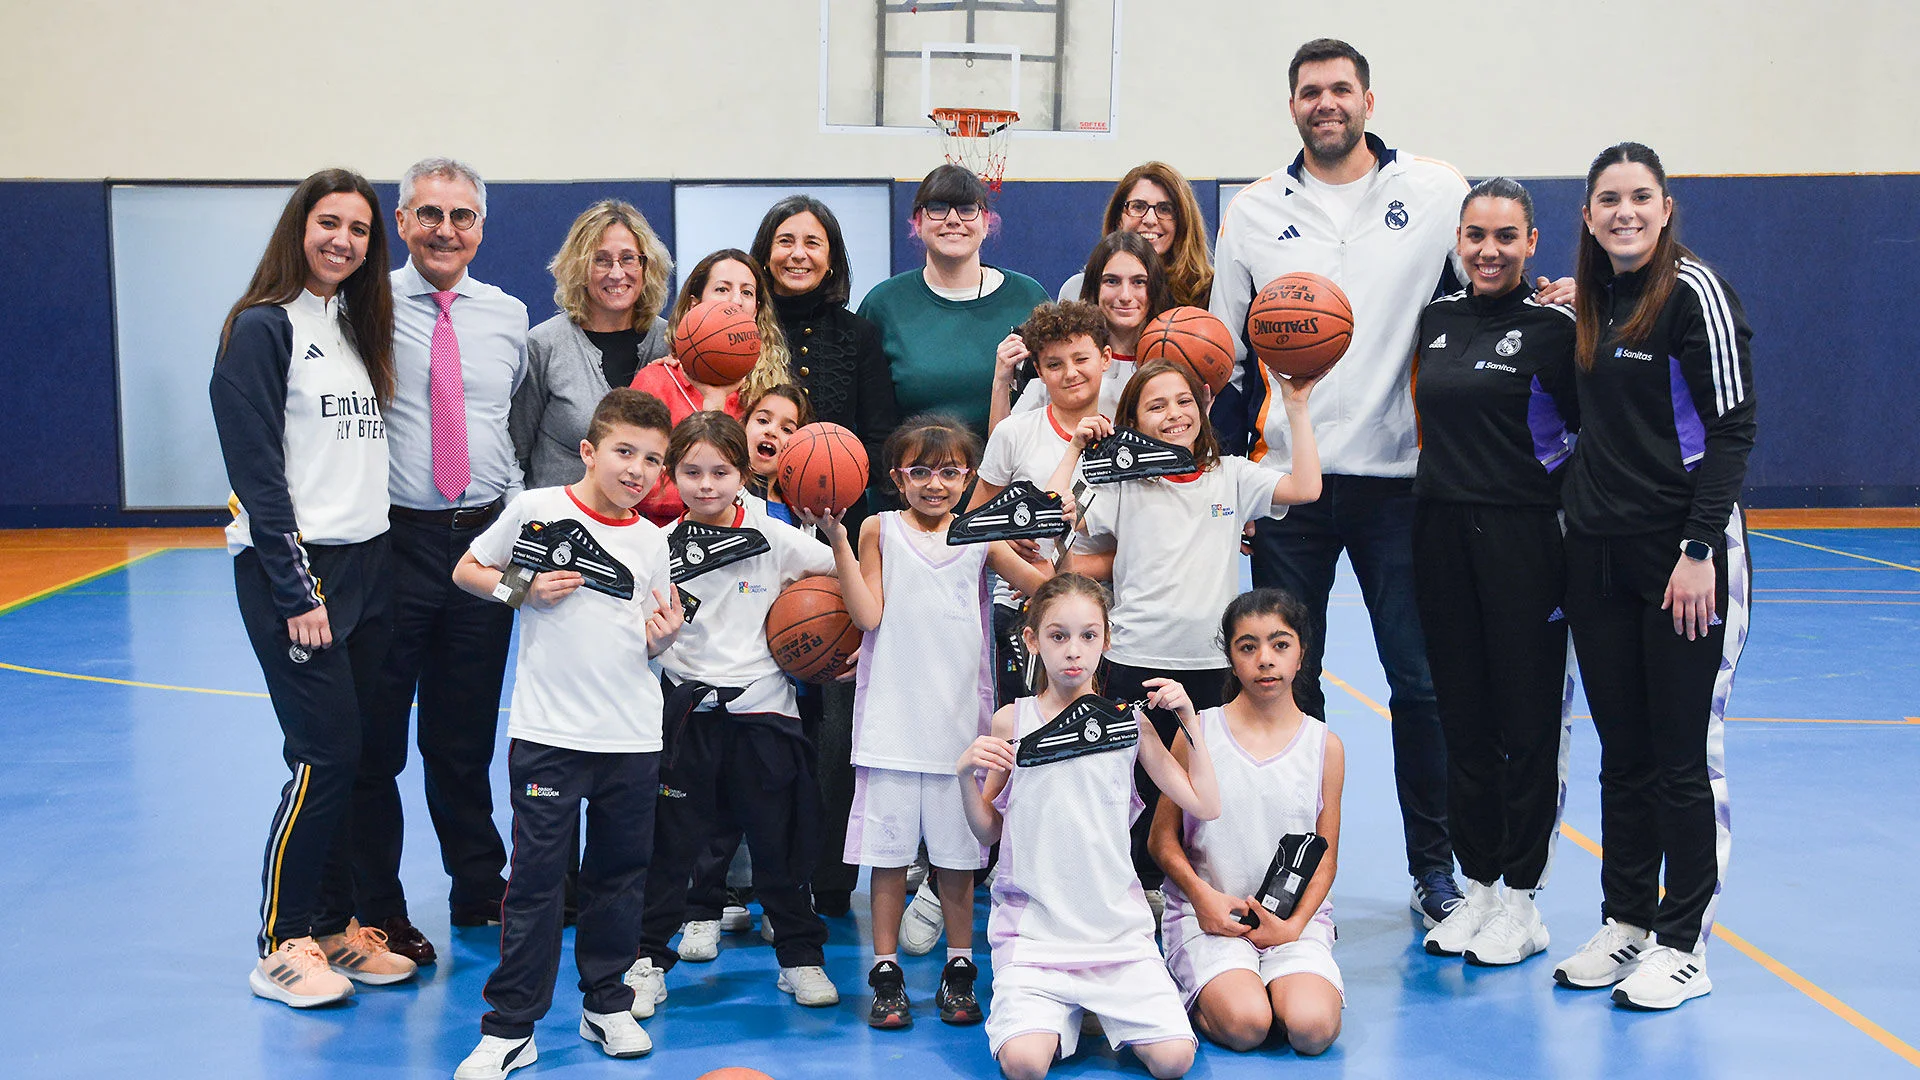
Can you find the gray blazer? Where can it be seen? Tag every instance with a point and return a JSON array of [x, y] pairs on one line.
[[555, 402]]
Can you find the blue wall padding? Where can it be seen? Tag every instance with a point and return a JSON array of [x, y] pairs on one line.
[[1827, 267]]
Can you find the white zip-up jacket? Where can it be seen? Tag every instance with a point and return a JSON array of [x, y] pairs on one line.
[[1395, 256]]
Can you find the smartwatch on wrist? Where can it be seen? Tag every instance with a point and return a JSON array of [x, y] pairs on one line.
[[1697, 550]]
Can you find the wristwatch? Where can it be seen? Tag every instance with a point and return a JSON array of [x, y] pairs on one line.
[[1697, 550]]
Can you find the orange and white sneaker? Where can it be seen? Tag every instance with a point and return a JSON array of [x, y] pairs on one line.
[[361, 954], [297, 974]]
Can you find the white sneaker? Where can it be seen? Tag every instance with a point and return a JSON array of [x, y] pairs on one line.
[[495, 1057], [1513, 933], [1606, 958], [699, 940], [809, 986], [618, 1034], [1664, 978], [917, 874], [921, 926], [649, 987], [735, 919], [1157, 901], [1451, 936]]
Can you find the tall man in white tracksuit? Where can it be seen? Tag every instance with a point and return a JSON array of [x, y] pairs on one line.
[[1380, 224]]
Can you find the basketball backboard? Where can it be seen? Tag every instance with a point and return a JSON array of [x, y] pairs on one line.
[[886, 64]]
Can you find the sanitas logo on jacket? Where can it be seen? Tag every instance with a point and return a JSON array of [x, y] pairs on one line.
[[1630, 354]]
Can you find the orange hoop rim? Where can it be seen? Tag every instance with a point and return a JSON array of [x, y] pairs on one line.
[[973, 123]]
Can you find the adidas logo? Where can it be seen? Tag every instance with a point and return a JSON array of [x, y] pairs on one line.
[[1292, 233], [1438, 343], [314, 353], [1685, 974], [1557, 616]]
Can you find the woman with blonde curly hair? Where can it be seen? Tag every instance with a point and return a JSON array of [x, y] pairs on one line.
[[735, 276], [610, 283], [1154, 200]]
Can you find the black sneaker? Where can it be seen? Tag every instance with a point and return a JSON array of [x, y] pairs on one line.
[[1435, 895], [890, 1006], [956, 1000], [832, 903], [485, 913]]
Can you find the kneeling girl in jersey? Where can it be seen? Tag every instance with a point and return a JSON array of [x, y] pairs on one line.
[[1280, 772], [924, 691], [1071, 930], [1173, 543], [737, 756]]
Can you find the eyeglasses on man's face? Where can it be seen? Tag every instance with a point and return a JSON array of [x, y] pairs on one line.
[[430, 217]]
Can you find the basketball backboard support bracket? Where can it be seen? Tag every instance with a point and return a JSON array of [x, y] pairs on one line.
[[886, 64]]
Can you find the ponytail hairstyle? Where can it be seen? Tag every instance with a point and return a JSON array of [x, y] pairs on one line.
[[1058, 587], [366, 308], [715, 429], [1267, 601], [1206, 446], [1592, 270]]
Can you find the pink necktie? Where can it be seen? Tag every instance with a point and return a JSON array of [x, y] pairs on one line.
[[447, 399]]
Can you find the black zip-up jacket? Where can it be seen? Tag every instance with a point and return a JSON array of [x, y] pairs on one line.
[[1493, 389], [1668, 422]]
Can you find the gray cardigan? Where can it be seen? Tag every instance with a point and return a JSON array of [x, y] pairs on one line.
[[555, 402]]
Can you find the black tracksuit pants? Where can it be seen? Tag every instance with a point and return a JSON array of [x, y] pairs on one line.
[[548, 785], [321, 698], [1490, 582], [753, 774], [1659, 706], [452, 647]]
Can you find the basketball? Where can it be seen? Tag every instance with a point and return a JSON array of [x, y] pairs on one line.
[[735, 1072], [717, 342], [1300, 325], [823, 469], [1193, 337], [809, 631]]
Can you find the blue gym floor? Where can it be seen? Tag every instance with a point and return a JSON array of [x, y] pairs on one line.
[[139, 763]]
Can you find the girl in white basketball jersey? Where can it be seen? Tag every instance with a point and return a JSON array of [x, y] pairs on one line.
[[1280, 772], [1071, 930], [924, 691]]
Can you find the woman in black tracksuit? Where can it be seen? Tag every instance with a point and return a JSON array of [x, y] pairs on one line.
[[1495, 399], [1658, 571]]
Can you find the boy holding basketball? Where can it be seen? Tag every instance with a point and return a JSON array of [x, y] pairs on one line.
[[582, 728]]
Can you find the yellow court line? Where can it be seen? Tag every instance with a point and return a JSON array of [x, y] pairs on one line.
[[1720, 930], [88, 576], [1833, 551], [129, 682]]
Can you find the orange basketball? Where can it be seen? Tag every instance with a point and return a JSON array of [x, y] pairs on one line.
[[1193, 337], [1300, 325], [717, 342], [735, 1072], [823, 469], [809, 631]]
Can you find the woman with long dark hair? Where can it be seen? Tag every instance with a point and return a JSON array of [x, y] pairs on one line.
[[1496, 406], [1657, 585], [304, 367]]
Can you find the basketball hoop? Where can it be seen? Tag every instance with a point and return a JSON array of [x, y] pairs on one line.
[[976, 139]]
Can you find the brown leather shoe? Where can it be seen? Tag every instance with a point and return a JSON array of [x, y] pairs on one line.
[[405, 939]]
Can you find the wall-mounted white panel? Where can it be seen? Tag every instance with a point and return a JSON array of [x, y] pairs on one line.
[[181, 257], [708, 217]]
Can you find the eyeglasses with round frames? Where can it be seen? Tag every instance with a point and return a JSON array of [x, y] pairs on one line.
[[431, 216], [920, 474], [937, 211], [629, 262], [1140, 208]]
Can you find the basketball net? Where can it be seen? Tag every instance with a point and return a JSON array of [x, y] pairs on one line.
[[977, 140]]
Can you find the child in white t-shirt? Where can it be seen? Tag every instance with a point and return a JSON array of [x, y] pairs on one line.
[[585, 726]]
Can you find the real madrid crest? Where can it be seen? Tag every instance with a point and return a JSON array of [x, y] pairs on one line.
[[562, 553], [1508, 345], [1123, 458], [1023, 515], [1091, 731], [1397, 215], [695, 555], [299, 653]]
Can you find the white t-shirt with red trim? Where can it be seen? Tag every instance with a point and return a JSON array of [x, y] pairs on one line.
[[1176, 565], [726, 643], [582, 680]]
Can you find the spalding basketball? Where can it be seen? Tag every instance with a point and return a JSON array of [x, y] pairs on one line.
[[823, 469], [1300, 325], [809, 631], [717, 342], [1191, 336], [735, 1072]]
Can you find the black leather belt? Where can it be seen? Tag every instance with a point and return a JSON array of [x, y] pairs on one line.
[[465, 518]]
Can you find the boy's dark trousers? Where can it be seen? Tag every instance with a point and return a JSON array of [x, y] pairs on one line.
[[548, 785]]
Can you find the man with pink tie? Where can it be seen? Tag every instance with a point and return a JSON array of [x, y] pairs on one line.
[[460, 350]]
